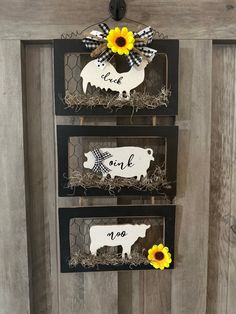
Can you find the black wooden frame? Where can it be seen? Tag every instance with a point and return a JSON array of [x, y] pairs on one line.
[[65, 214], [62, 46], [64, 132]]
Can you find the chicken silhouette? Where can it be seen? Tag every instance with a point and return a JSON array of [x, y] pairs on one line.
[[106, 77]]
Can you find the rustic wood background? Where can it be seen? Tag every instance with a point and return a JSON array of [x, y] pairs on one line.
[[204, 280]]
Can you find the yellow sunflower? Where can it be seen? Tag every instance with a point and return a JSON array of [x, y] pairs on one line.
[[159, 256], [120, 40]]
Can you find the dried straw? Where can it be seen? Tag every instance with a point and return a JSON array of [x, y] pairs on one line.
[[153, 182], [88, 260], [137, 100]]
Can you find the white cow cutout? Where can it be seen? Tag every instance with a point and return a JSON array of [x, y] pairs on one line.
[[114, 235], [106, 77], [125, 162]]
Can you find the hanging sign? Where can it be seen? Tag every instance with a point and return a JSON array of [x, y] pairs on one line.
[[114, 235], [126, 162], [133, 45]]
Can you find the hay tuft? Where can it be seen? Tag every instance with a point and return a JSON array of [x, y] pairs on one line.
[[153, 182], [88, 260], [137, 100]]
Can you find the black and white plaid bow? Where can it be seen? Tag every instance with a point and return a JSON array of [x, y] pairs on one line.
[[99, 158], [134, 57]]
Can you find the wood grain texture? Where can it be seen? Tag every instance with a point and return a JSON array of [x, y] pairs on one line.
[[157, 291], [101, 288], [183, 290], [101, 293], [14, 282], [130, 292], [142, 292], [88, 293], [160, 297], [189, 278], [21, 19], [222, 232], [42, 221], [231, 300]]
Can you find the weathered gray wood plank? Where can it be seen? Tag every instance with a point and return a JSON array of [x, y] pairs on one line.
[[102, 286], [72, 293], [100, 291], [136, 292], [222, 239], [231, 301], [178, 19], [131, 292], [42, 211], [189, 279], [95, 292], [157, 291], [14, 295]]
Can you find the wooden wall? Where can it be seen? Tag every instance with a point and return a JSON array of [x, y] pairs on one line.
[[120, 292], [181, 19], [14, 283], [203, 280]]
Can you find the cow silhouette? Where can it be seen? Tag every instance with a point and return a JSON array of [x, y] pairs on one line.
[[114, 235]]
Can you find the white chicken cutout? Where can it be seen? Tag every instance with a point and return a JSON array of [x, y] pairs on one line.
[[126, 162], [114, 235], [105, 76]]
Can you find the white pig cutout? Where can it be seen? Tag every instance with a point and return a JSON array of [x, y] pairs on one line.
[[106, 77], [114, 235], [126, 162]]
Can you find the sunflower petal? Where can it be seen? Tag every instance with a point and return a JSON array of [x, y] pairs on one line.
[[130, 39], [114, 48], [112, 32], [120, 51], [165, 250], [117, 30], [155, 265], [155, 247], [124, 31], [130, 46]]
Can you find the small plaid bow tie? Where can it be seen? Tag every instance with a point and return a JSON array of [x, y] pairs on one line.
[[99, 158], [134, 57]]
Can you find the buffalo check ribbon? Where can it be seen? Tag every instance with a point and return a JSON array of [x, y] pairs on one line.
[[99, 158], [98, 40]]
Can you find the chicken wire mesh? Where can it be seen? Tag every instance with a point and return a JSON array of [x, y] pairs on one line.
[[80, 236], [74, 63]]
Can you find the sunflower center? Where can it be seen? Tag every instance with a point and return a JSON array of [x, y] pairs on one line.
[[159, 256], [120, 41]]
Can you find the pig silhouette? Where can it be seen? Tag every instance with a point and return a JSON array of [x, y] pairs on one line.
[[126, 162]]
